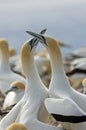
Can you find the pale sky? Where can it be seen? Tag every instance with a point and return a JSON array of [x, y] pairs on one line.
[[64, 19]]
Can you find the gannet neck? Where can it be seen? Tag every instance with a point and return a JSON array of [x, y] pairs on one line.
[[30, 70], [27, 59], [58, 74], [4, 55], [55, 54]]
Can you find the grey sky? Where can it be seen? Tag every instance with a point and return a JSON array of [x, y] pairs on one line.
[[64, 19]]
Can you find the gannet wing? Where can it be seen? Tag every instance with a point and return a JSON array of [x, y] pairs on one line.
[[65, 110]]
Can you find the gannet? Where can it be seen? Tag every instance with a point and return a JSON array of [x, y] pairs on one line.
[[30, 110], [67, 112], [77, 68], [59, 86], [6, 75], [14, 93], [17, 126], [80, 52]]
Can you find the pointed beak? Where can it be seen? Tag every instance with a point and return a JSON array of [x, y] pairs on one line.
[[39, 37], [11, 89], [33, 42]]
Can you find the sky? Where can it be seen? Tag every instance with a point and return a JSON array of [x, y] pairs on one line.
[[64, 19]]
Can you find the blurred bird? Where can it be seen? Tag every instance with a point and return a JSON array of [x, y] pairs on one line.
[[14, 94], [6, 75]]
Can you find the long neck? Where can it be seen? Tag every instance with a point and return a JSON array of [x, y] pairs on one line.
[[55, 56], [4, 65], [34, 83], [58, 74]]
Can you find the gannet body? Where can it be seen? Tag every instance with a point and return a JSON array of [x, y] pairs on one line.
[[80, 52], [77, 63], [77, 68], [67, 112], [30, 110], [6, 75], [14, 93]]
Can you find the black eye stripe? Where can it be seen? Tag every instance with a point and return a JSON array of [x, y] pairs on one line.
[[15, 87]]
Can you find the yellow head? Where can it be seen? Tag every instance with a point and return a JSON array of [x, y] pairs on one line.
[[84, 82], [3, 44], [16, 126], [19, 84], [12, 51]]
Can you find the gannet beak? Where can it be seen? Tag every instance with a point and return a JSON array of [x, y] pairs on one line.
[[39, 37], [11, 89], [33, 42]]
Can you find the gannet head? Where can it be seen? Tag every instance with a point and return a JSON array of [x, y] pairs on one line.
[[3, 43], [34, 41], [16, 86], [84, 82], [16, 126], [4, 46], [12, 51], [84, 85]]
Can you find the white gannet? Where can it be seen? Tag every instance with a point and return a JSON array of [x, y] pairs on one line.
[[30, 110], [16, 126], [14, 93], [59, 86], [67, 112], [6, 75], [80, 52], [77, 68], [77, 63]]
